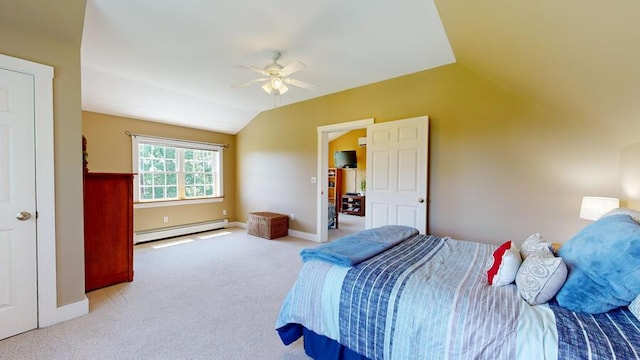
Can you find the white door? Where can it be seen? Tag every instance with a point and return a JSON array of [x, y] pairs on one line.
[[18, 282], [397, 165]]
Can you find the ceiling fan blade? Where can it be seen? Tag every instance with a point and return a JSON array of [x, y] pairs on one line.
[[256, 69], [291, 68], [249, 83], [299, 83]]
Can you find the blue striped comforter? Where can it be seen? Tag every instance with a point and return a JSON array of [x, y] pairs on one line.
[[428, 298]]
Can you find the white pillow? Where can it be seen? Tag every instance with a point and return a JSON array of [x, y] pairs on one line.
[[534, 244], [504, 264], [540, 277], [635, 307]]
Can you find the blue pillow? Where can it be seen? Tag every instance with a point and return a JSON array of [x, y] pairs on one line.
[[604, 266]]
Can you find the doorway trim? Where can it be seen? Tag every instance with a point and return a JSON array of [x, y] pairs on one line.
[[48, 311], [323, 165]]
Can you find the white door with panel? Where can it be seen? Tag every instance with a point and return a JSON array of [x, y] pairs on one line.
[[397, 173], [18, 277]]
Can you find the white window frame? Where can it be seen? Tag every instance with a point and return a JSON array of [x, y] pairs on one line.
[[138, 139]]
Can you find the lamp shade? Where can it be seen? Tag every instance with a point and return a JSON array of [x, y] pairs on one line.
[[593, 206]]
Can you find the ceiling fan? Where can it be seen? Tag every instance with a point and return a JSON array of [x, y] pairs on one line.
[[276, 77]]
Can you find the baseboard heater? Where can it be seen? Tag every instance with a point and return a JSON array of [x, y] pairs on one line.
[[163, 233]]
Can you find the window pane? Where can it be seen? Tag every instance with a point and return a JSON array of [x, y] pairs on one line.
[[153, 172], [172, 179], [144, 150], [158, 192], [172, 192], [159, 179], [170, 165], [147, 179], [188, 179], [158, 151], [145, 164], [158, 165], [146, 193], [188, 154]]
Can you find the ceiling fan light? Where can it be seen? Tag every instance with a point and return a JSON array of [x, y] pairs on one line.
[[267, 88], [283, 89], [276, 82]]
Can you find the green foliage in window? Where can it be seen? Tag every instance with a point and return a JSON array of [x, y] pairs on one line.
[[159, 179], [167, 172], [172, 179], [170, 165], [158, 152], [147, 179], [158, 192], [146, 193], [145, 150]]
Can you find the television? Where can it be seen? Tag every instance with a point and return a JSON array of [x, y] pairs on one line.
[[345, 159]]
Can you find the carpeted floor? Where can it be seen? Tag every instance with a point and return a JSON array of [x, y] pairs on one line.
[[347, 224], [215, 295]]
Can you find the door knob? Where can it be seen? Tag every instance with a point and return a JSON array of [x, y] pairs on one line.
[[23, 215], [420, 200]]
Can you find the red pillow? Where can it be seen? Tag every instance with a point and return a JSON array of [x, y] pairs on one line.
[[504, 265]]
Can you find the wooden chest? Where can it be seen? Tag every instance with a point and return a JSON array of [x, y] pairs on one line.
[[268, 225]]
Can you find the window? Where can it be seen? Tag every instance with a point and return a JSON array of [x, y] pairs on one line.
[[176, 170]]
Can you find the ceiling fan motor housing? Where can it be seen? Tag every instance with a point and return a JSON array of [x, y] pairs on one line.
[[273, 69]]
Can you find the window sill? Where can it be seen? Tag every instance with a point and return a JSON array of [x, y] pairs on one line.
[[154, 204]]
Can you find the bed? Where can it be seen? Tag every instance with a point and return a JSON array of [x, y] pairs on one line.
[[427, 297]]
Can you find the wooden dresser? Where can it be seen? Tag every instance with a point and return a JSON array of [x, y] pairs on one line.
[[108, 229]]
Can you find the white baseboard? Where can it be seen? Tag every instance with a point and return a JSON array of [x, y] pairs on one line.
[[156, 234], [294, 233], [238, 224], [304, 235], [64, 313]]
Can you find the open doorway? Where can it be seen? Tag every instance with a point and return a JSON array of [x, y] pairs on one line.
[[349, 220], [347, 182]]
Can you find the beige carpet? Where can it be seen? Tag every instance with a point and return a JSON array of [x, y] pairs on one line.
[[347, 224], [214, 296]]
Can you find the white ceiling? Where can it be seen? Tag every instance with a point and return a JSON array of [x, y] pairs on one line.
[[174, 61]]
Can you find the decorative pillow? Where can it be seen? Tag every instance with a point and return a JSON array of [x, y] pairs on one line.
[[534, 244], [635, 215], [504, 265], [540, 277], [635, 307], [604, 266]]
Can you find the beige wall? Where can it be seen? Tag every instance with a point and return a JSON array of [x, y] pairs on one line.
[[501, 167], [630, 176], [109, 150], [65, 59], [349, 141]]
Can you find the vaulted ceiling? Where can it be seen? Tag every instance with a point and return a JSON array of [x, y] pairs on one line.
[[175, 63]]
